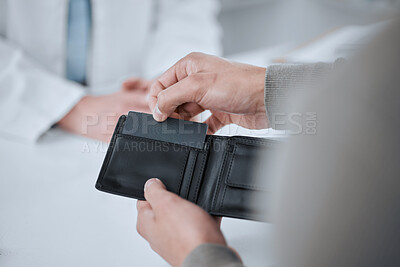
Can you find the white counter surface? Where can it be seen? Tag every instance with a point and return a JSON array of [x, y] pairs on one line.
[[51, 214]]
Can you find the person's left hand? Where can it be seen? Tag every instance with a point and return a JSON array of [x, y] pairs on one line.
[[96, 116], [172, 225], [136, 83]]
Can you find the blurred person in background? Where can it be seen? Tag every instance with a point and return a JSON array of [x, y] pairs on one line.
[[337, 201], [62, 61]]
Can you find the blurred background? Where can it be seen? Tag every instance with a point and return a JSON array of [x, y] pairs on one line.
[[293, 21], [264, 32], [50, 213]]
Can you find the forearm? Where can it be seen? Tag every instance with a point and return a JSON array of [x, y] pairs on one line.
[[29, 91], [282, 81]]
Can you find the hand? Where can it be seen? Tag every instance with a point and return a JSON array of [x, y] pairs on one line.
[[172, 225], [136, 83], [233, 92], [96, 116]]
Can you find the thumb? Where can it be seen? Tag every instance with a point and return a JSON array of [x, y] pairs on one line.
[[155, 191]]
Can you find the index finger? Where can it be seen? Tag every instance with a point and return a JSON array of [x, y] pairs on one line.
[[168, 78], [179, 71]]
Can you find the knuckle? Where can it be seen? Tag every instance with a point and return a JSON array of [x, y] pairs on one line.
[[161, 96], [200, 82], [193, 59], [169, 201], [165, 204], [155, 88], [162, 100], [193, 55], [197, 78], [212, 77]]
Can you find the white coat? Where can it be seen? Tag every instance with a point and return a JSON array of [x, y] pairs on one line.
[[128, 38]]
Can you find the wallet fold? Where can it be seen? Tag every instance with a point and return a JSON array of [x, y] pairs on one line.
[[221, 177]]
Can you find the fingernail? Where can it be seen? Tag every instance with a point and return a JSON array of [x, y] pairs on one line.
[[158, 116], [149, 182]]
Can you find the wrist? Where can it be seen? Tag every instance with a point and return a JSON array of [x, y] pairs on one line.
[[71, 120], [257, 86]]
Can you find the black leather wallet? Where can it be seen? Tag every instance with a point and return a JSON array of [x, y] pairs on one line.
[[220, 177]]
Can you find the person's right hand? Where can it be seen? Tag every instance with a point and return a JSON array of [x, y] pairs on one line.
[[173, 226], [233, 92], [96, 116]]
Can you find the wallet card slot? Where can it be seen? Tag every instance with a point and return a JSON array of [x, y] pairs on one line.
[[134, 160], [243, 165], [197, 176], [213, 168], [240, 185], [188, 174]]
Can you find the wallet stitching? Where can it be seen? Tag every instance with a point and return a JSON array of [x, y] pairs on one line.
[[191, 175], [205, 153], [256, 141], [182, 172], [229, 173], [219, 177], [244, 139], [196, 192]]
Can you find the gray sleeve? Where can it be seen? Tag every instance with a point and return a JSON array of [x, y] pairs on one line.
[[288, 79], [212, 255]]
